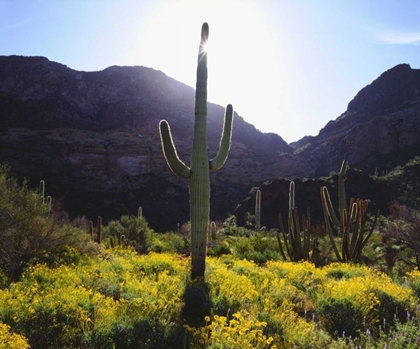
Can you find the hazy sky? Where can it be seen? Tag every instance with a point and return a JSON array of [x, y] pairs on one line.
[[286, 66]]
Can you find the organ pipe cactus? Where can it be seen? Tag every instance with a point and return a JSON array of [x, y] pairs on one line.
[[351, 224], [258, 210], [213, 230], [92, 237], [99, 230], [198, 172], [298, 239]]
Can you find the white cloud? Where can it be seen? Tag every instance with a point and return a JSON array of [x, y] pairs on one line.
[[400, 38]]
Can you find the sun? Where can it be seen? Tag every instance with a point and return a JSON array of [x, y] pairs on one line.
[[204, 47]]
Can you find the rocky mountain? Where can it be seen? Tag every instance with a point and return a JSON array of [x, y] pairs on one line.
[[93, 137], [379, 130]]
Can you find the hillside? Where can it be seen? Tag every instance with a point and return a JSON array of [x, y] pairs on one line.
[[93, 137], [379, 129]]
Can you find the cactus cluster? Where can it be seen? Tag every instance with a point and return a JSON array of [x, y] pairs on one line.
[[99, 230], [297, 240], [351, 224], [258, 210], [198, 172], [41, 194], [213, 231]]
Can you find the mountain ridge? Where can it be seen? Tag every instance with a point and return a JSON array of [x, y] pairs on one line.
[[378, 129], [93, 137]]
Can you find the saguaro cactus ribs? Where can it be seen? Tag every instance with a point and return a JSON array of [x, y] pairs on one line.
[[198, 172]]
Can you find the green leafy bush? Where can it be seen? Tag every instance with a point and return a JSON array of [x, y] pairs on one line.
[[30, 230], [130, 230], [340, 317]]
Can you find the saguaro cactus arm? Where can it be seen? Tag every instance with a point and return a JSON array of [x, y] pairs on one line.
[[169, 151], [225, 141]]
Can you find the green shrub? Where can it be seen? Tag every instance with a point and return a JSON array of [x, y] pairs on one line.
[[30, 232], [340, 317], [130, 230], [219, 249], [170, 242], [10, 340]]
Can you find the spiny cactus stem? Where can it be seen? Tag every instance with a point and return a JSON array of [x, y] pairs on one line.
[[291, 196], [258, 210], [42, 190], [342, 205], [324, 200], [225, 141], [99, 227], [329, 207], [169, 151], [198, 173]]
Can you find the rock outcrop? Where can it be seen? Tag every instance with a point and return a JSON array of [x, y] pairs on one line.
[[93, 137], [379, 129]]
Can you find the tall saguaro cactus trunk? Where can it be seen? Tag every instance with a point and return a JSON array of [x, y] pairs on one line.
[[198, 172]]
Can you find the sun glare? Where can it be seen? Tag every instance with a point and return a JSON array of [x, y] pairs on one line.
[[242, 62], [205, 47]]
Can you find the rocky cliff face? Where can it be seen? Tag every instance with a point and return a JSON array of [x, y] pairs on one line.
[[379, 130], [93, 137]]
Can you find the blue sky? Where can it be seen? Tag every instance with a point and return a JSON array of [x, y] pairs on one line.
[[287, 67]]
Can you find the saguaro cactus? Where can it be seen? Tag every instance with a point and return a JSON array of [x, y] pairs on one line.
[[198, 172]]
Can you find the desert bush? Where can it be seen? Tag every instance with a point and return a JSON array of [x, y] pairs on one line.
[[30, 230], [403, 230], [219, 249], [230, 227], [241, 332], [259, 247], [340, 317], [10, 340], [169, 242], [353, 303], [130, 230]]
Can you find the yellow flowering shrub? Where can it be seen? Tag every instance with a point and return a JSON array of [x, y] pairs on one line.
[[10, 340], [413, 281], [229, 290], [241, 332], [358, 298], [119, 297]]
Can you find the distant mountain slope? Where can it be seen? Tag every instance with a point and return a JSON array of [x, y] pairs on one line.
[[93, 136], [379, 130]]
